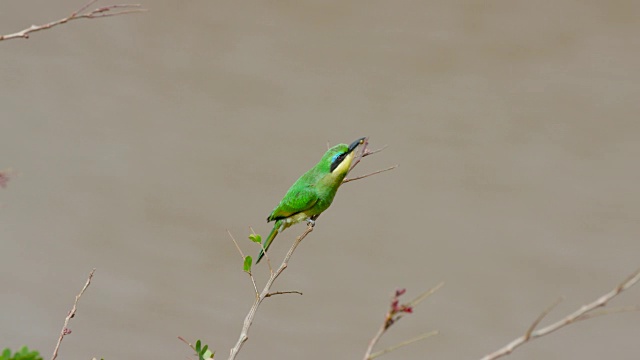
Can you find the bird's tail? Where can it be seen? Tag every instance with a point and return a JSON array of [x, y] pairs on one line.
[[272, 235]]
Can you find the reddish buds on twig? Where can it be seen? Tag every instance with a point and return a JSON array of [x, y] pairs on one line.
[[396, 309]]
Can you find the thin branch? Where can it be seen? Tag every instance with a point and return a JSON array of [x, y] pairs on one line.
[[364, 151], [371, 152], [369, 174], [623, 309], [65, 330], [283, 292], [105, 11], [374, 340], [424, 295], [255, 286], [583, 313], [396, 312], [186, 342], [263, 295], [542, 315], [235, 242], [404, 343]]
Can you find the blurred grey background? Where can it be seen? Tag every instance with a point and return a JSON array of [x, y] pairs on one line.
[[136, 141]]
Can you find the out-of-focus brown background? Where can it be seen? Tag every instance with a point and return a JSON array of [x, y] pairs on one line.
[[137, 141]]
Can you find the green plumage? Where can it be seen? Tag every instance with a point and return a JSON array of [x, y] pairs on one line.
[[313, 192]]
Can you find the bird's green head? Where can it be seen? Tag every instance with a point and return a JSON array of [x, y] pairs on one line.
[[337, 160]]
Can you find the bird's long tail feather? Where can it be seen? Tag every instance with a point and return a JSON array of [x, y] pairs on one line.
[[270, 238]]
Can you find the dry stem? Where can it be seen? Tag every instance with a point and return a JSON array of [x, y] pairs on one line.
[[283, 292], [369, 174], [105, 11], [583, 313], [264, 294], [403, 343], [65, 331]]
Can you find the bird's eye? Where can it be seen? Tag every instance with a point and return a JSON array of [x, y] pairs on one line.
[[337, 159]]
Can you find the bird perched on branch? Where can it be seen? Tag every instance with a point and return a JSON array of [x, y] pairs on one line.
[[313, 192]]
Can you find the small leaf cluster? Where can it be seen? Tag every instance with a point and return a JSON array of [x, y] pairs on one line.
[[248, 261], [23, 354], [203, 351]]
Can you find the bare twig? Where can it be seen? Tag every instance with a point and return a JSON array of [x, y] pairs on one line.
[[236, 243], [617, 310], [403, 343], [583, 313], [396, 312], [369, 174], [105, 11], [186, 342], [283, 292], [542, 315], [65, 330], [371, 152], [424, 295]]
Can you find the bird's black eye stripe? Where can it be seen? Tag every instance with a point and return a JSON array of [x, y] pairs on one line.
[[337, 161]]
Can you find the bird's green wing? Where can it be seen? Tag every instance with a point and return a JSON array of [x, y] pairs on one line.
[[296, 200]]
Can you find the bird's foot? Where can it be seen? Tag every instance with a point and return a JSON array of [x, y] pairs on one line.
[[311, 222]]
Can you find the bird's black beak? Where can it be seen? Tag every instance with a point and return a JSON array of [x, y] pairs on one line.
[[356, 143]]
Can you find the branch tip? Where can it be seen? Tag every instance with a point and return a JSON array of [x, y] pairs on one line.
[[100, 12], [65, 330]]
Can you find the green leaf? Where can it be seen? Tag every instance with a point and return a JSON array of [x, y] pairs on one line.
[[256, 238], [204, 351], [208, 354], [23, 354], [248, 261], [198, 344]]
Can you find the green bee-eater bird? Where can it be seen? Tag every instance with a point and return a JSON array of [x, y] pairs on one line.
[[313, 192]]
